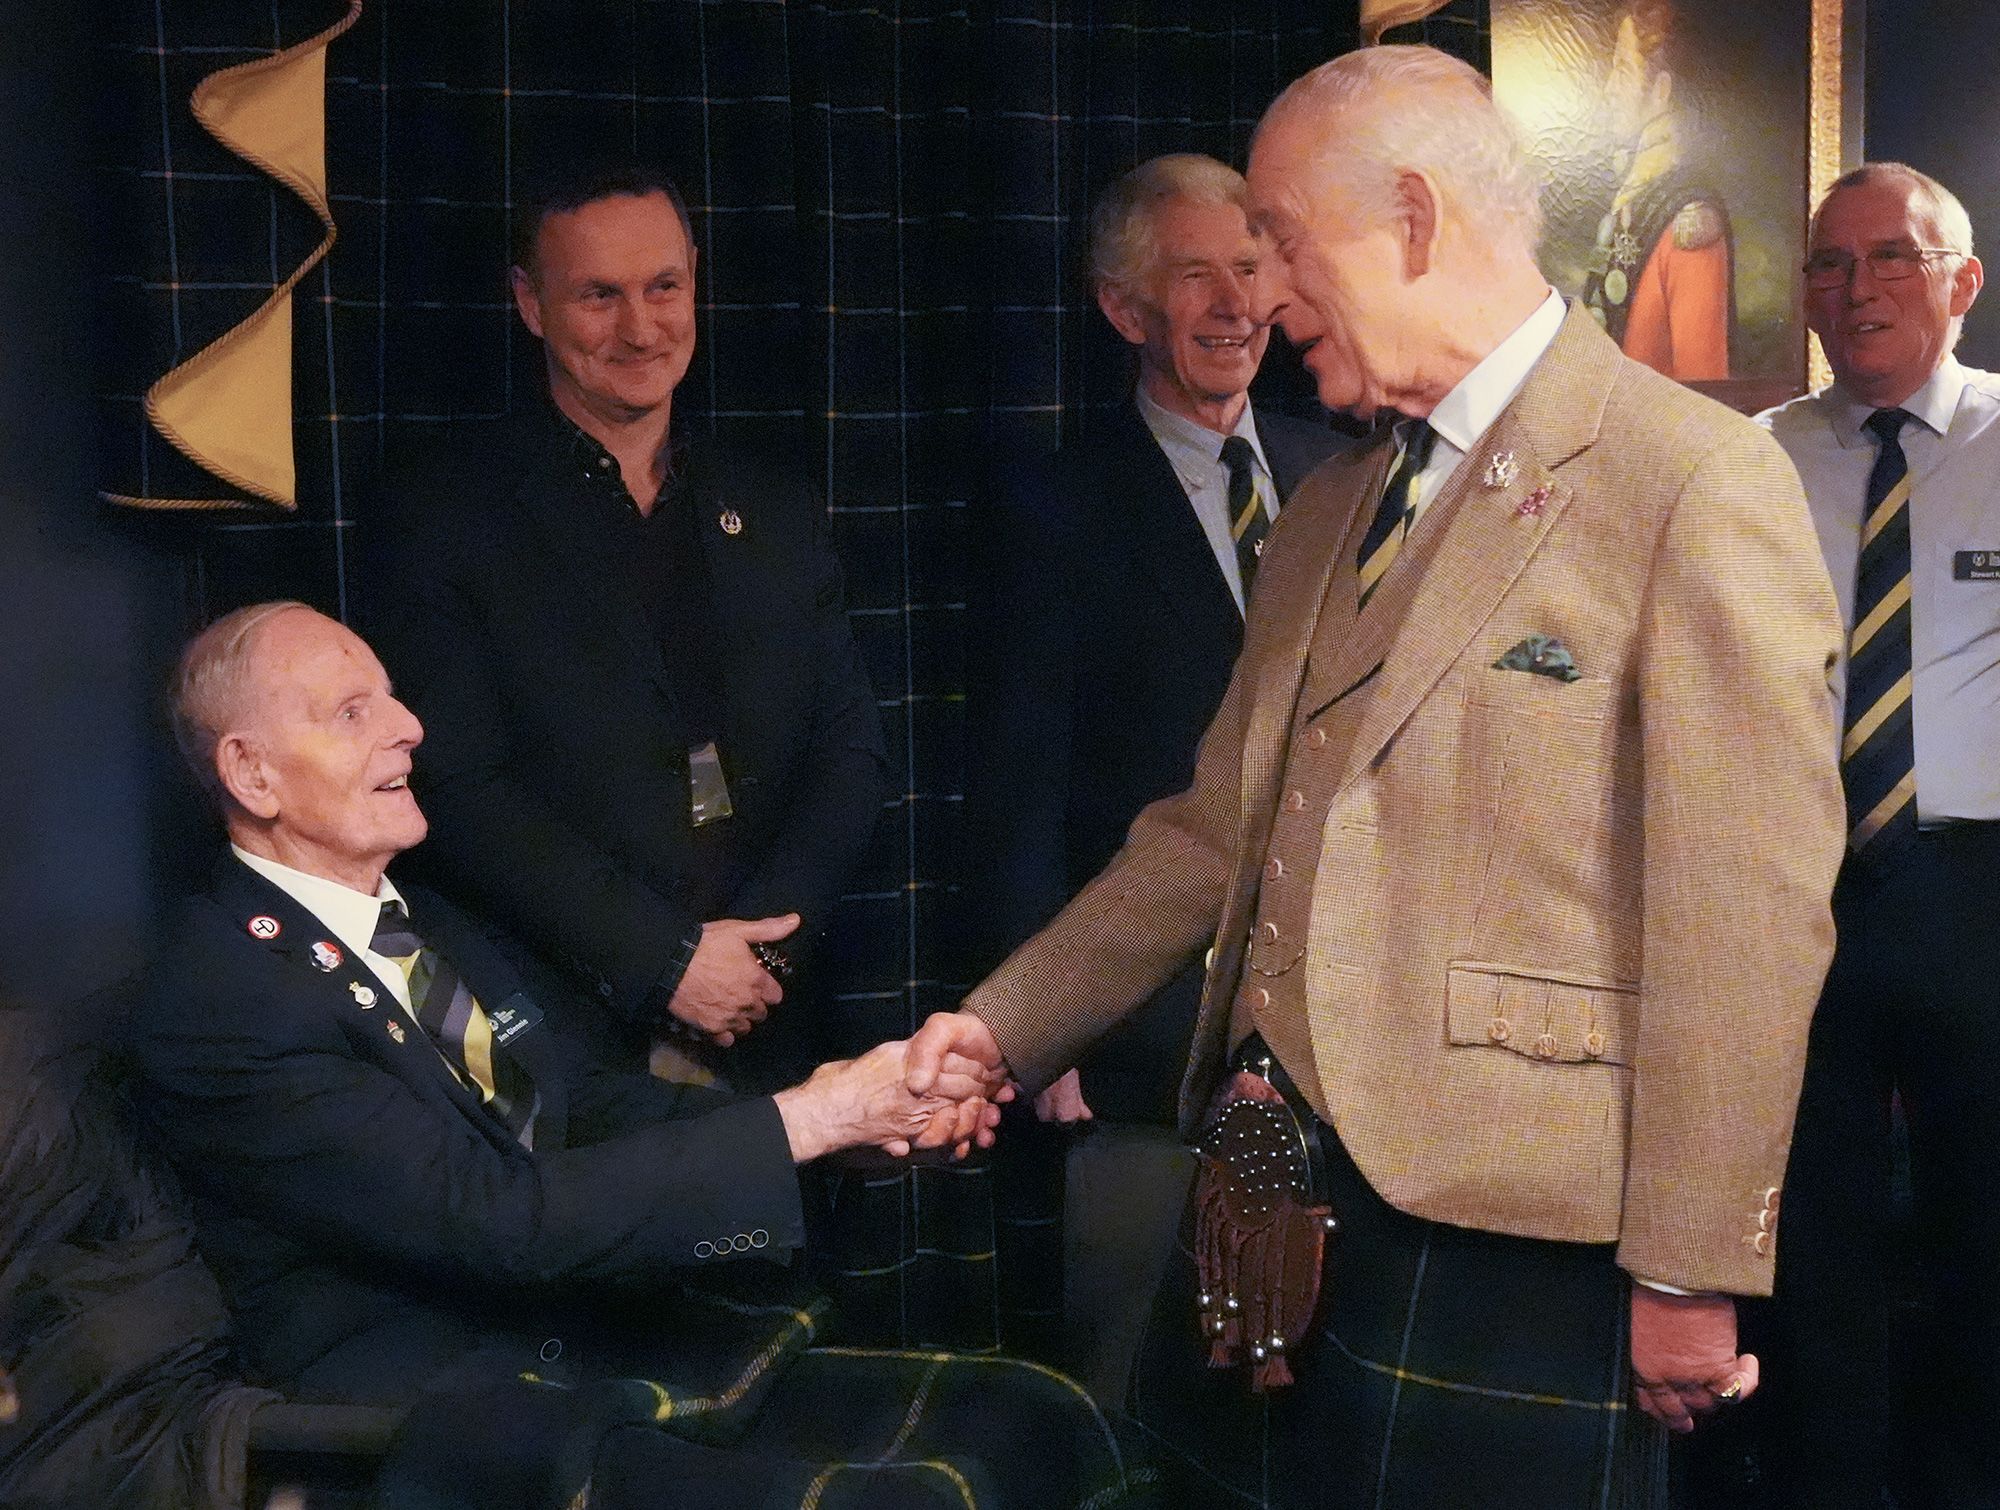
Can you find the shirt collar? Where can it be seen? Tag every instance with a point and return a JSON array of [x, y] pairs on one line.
[[1470, 409], [1195, 450], [1932, 405], [349, 914]]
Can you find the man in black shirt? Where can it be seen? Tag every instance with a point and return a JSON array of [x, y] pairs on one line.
[[653, 752]]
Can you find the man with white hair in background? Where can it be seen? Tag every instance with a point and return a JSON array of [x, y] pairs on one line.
[[1898, 457], [1513, 838], [1105, 608]]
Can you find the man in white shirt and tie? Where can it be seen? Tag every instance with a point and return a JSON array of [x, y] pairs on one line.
[[1899, 458]]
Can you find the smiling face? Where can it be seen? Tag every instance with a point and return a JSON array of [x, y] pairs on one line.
[[1340, 289], [1193, 315], [611, 296], [1884, 339], [318, 757]]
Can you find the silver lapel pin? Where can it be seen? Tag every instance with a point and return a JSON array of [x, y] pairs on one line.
[[1500, 470]]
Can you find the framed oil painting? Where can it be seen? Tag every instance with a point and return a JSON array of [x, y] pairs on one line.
[[1681, 142]]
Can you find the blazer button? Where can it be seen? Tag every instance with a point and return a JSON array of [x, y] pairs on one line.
[[1499, 1030], [551, 1350], [704, 1249], [1295, 802], [1593, 1044], [1273, 868], [1268, 933], [1761, 1244], [1260, 998], [740, 1243], [1315, 739], [760, 1238], [1545, 1046]]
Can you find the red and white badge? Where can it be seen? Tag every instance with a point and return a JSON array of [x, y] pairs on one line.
[[264, 927], [326, 956]]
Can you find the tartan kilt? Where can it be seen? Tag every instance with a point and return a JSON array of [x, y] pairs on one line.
[[1445, 1368], [834, 1429]]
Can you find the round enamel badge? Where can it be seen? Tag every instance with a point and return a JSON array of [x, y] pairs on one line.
[[263, 927]]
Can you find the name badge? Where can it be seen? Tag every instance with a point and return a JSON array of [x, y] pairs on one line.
[[708, 790], [1975, 566], [513, 1017]]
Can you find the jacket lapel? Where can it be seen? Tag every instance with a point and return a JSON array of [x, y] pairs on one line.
[[1475, 538], [1147, 511], [350, 992]]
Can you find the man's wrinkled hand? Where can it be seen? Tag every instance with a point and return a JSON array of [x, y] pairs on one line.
[[1684, 1358], [866, 1102], [1063, 1101], [726, 991]]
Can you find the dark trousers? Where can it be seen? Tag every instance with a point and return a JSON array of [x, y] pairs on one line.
[[1447, 1369], [1883, 1340]]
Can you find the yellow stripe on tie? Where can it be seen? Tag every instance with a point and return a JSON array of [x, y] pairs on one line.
[[1384, 557], [1876, 716], [1900, 795], [1886, 510], [1244, 519], [479, 1051], [1879, 615]]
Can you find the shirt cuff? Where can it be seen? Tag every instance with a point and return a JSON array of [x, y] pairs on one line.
[[1667, 1289], [669, 982]]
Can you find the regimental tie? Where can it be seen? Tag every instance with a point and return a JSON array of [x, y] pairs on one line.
[[1385, 537], [457, 1024], [1249, 522], [1878, 753]]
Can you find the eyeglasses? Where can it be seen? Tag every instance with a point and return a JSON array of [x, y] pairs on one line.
[[1886, 264]]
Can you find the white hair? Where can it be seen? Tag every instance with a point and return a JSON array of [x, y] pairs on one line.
[[1950, 225], [1385, 110], [1123, 245], [211, 686]]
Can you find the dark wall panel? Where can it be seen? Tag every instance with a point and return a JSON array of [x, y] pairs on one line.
[[1933, 102]]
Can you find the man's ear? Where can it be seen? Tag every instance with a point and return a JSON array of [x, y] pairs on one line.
[[1419, 210], [1966, 283], [239, 766], [1126, 314], [526, 300]]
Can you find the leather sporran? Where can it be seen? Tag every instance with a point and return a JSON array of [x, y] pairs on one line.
[[1260, 1237]]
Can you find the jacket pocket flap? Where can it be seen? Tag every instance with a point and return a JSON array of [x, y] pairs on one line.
[[1562, 1021]]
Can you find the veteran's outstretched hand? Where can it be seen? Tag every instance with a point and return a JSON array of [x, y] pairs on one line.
[[1684, 1358], [867, 1102]]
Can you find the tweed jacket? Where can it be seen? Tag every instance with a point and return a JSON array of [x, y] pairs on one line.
[[1637, 864]]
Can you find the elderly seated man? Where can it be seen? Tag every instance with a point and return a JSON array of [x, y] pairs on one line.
[[406, 1186]]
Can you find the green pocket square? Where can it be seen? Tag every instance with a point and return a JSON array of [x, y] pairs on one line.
[[1542, 655]]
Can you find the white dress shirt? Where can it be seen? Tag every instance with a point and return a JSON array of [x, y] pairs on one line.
[[1953, 451], [1481, 397], [349, 915], [1196, 454]]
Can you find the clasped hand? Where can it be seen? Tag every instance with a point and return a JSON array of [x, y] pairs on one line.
[[868, 1102], [726, 991]]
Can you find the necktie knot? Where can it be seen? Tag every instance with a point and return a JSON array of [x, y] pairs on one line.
[[1418, 438], [394, 935], [1239, 458], [1886, 425]]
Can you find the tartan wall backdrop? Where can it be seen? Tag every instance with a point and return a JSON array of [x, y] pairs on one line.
[[888, 206]]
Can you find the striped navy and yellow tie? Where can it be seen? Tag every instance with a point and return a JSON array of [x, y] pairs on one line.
[[457, 1024], [1384, 540], [1878, 753], [1249, 521]]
